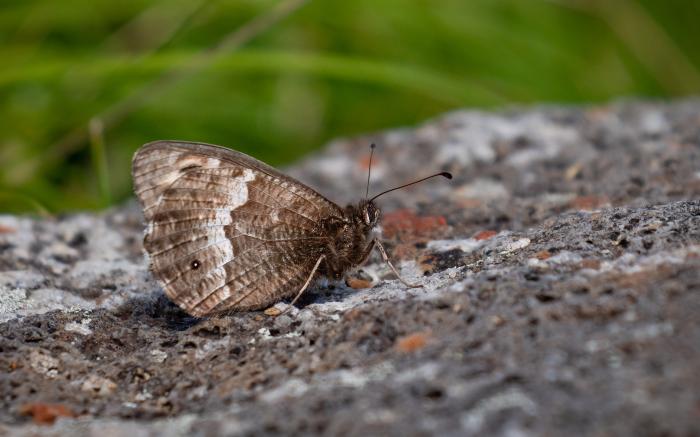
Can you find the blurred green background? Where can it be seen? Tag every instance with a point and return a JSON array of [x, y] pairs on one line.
[[83, 83]]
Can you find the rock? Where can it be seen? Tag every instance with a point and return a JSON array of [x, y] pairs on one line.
[[97, 385], [46, 414], [561, 270], [43, 363]]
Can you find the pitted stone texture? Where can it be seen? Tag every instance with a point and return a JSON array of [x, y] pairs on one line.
[[561, 273]]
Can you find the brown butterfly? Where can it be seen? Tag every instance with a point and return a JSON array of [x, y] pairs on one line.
[[228, 232]]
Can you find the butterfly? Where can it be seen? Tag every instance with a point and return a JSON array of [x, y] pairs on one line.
[[227, 232]]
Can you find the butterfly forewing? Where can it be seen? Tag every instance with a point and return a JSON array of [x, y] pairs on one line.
[[224, 230]]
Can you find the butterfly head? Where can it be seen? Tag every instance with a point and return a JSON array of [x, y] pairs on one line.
[[370, 214]]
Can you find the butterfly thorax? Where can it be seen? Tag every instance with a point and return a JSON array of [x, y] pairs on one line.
[[350, 238]]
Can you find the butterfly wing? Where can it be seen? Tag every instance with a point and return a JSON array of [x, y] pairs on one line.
[[224, 230]]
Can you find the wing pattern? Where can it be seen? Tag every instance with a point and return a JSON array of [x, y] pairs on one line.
[[224, 230]]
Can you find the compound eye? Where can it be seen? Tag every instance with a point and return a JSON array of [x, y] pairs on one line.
[[372, 215], [367, 219]]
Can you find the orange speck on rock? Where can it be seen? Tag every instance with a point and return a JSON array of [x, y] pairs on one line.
[[484, 235], [469, 203], [590, 263], [404, 251], [353, 314], [272, 311], [46, 414], [588, 203], [405, 222], [412, 342], [639, 278], [357, 283], [7, 230], [426, 262], [543, 255]]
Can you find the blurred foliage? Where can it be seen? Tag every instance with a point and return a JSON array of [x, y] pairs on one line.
[[83, 83]]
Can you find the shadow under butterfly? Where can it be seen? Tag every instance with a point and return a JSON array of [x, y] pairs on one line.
[[226, 232]]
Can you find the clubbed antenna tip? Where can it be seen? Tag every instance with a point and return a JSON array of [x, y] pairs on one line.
[[443, 174]]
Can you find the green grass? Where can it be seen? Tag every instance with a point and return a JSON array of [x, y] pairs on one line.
[[84, 83]]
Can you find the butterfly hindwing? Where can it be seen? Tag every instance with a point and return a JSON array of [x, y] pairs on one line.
[[224, 230]]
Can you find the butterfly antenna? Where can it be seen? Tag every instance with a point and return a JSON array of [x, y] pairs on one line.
[[443, 174], [369, 169]]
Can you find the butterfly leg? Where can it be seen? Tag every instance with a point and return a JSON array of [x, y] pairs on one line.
[[306, 284], [391, 266], [367, 253]]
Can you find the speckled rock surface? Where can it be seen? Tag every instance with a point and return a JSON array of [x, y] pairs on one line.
[[562, 297]]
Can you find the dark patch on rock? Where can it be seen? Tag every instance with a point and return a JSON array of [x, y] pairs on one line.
[[439, 261]]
